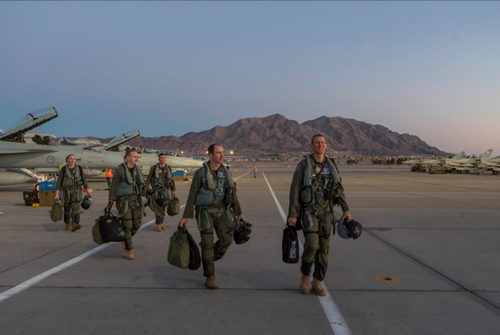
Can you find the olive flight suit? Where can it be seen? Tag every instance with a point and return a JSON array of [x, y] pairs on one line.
[[312, 203], [217, 216], [126, 189], [162, 182], [71, 181]]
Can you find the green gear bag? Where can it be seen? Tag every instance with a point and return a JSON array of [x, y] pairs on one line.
[[178, 249], [96, 232], [56, 214], [174, 207]]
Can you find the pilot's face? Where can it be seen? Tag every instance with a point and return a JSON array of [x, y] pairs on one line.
[[162, 159], [319, 145], [71, 161], [132, 159], [218, 156]]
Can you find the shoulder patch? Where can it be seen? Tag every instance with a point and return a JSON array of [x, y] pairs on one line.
[[297, 168]]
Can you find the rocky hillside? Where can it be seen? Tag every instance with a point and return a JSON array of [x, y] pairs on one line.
[[276, 133]]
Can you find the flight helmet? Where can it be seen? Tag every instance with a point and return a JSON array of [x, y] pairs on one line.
[[86, 202], [349, 229], [241, 231]]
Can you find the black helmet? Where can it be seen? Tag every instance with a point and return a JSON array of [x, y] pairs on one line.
[[86, 202], [242, 231], [162, 201], [349, 229]]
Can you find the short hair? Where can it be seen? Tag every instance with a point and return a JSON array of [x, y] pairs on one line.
[[211, 148], [67, 157], [128, 153], [314, 137], [162, 154]]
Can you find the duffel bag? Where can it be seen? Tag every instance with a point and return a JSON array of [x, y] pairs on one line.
[[290, 246], [178, 249], [111, 228], [194, 253], [96, 231], [56, 213], [174, 207]]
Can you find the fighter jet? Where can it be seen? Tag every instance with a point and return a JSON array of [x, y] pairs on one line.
[[467, 163], [39, 155]]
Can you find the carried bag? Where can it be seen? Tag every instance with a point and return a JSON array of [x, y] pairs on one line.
[[290, 246], [194, 253], [174, 207], [111, 228], [178, 248], [56, 214], [96, 232]]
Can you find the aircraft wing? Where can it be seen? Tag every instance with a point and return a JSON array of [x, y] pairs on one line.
[[10, 151]]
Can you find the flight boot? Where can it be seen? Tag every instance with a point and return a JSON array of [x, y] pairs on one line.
[[130, 254], [75, 227], [318, 288], [305, 283], [163, 227], [210, 283], [67, 226], [123, 246], [158, 227]]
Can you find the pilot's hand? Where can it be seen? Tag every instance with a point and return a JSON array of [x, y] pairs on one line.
[[292, 222], [241, 218], [347, 216], [57, 195], [174, 193], [88, 192], [183, 222], [109, 206]]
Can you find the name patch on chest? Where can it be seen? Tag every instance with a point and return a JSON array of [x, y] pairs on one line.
[[325, 171], [221, 174]]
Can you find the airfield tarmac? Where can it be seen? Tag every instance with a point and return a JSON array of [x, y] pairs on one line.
[[435, 236]]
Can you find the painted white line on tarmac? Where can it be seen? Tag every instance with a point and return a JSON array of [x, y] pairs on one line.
[[35, 280], [337, 321]]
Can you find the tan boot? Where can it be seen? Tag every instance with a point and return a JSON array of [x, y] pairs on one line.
[[163, 227], [123, 246], [305, 283], [158, 227], [67, 226], [318, 288], [75, 227], [210, 283], [130, 254]]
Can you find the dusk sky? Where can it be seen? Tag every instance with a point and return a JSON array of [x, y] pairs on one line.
[[430, 69]]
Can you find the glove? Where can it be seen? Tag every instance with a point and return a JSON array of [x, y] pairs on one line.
[[109, 206]]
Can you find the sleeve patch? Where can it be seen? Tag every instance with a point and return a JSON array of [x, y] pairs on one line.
[[297, 168]]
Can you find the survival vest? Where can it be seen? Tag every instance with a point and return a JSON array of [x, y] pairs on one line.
[[220, 190], [161, 179], [130, 185], [315, 189], [70, 179]]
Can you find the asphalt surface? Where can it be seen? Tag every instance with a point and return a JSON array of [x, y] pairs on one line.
[[427, 263]]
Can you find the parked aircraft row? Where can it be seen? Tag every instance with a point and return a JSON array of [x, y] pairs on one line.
[[26, 154], [461, 163]]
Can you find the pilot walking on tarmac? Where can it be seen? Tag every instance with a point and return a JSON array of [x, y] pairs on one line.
[[316, 188], [71, 180], [127, 188], [213, 193], [162, 182]]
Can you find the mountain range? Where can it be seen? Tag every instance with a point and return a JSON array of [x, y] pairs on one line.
[[276, 133]]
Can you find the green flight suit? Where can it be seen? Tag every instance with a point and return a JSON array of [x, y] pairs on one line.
[[317, 217], [213, 217], [161, 184], [129, 206], [70, 181]]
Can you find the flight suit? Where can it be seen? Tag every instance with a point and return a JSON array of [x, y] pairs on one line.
[[161, 182], [216, 216], [71, 181], [317, 217], [127, 193]]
